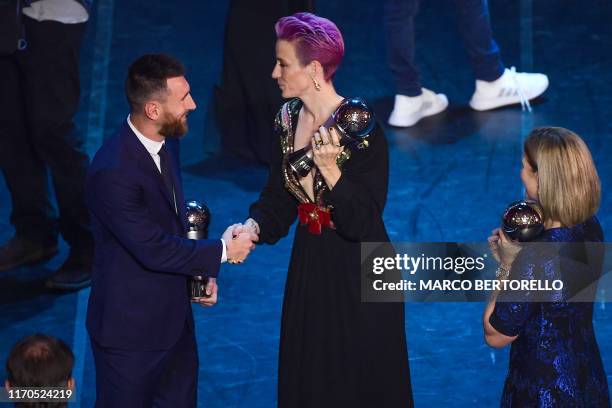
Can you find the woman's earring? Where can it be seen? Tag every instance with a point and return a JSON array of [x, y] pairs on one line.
[[316, 84]]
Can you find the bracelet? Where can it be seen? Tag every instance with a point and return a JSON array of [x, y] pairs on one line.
[[502, 273]]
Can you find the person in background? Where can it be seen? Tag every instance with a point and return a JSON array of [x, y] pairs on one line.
[[40, 360], [496, 85], [40, 96], [246, 99]]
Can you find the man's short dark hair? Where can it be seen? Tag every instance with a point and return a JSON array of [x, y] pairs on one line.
[[40, 361], [147, 78]]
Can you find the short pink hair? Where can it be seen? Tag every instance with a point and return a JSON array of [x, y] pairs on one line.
[[315, 38]]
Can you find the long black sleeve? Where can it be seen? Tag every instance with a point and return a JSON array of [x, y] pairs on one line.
[[276, 209], [359, 196]]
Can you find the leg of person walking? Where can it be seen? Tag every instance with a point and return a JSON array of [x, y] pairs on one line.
[[474, 24], [496, 86], [412, 102]]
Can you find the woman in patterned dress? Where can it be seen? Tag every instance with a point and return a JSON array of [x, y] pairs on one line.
[[554, 358], [335, 351]]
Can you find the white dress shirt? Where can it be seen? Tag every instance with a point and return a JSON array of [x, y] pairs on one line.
[[63, 11], [153, 148]]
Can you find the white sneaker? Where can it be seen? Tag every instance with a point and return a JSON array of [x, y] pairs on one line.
[[408, 110], [511, 88]]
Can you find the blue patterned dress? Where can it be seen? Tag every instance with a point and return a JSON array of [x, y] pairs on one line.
[[555, 360]]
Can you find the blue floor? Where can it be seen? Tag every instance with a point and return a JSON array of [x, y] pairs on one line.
[[451, 177]]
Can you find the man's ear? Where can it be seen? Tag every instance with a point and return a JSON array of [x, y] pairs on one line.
[[71, 383], [7, 385], [152, 110]]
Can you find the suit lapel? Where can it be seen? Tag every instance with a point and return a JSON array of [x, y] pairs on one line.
[[146, 163]]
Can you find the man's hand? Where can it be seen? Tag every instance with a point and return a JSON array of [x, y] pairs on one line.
[[228, 235], [211, 291], [239, 246]]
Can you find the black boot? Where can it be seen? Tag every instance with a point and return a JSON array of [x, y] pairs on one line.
[[20, 251], [74, 274]]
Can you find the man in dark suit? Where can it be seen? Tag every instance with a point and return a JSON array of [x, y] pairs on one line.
[[139, 317]]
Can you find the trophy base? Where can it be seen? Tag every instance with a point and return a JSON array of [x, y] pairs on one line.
[[197, 288]]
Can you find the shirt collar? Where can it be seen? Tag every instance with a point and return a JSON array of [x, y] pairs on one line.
[[152, 146]]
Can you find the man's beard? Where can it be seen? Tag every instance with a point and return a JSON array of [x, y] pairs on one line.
[[174, 127]]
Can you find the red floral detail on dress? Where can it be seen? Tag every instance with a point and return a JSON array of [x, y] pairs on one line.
[[315, 216]]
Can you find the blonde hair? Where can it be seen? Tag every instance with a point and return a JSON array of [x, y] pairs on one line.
[[569, 189]]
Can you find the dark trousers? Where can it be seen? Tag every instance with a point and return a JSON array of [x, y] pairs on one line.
[[145, 379], [247, 100], [475, 27], [39, 97]]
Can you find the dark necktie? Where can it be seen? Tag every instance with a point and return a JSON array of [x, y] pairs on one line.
[[166, 173]]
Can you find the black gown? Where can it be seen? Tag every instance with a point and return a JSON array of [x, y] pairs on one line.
[[335, 351]]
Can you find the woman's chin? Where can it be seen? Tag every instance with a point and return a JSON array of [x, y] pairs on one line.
[[286, 94]]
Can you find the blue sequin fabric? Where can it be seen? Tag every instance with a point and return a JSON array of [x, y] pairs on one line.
[[555, 360]]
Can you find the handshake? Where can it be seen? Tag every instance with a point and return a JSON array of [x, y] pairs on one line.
[[240, 240]]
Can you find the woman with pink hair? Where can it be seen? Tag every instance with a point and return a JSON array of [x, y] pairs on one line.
[[335, 350]]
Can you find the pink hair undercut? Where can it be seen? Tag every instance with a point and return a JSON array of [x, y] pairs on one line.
[[315, 38]]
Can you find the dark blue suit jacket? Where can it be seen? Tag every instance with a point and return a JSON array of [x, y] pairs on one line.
[[142, 261]]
